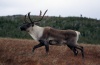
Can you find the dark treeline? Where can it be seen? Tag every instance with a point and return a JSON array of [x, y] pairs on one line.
[[89, 28]]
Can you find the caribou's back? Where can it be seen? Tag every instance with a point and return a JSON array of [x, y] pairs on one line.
[[62, 33], [59, 34]]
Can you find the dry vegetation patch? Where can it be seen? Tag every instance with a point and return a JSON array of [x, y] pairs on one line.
[[19, 52]]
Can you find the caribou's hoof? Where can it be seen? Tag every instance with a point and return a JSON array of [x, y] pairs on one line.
[[33, 51]]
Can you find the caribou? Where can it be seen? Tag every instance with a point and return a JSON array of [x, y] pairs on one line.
[[50, 36]]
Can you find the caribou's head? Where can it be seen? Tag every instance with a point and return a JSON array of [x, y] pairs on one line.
[[26, 25]]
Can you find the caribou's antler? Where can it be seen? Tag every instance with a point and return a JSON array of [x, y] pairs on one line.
[[30, 17], [39, 15], [43, 15]]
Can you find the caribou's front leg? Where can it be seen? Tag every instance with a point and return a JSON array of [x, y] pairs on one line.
[[42, 43], [46, 44], [39, 45]]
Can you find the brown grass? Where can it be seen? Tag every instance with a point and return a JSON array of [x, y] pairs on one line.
[[19, 52]]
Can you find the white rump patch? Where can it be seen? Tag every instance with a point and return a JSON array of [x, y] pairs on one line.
[[78, 33]]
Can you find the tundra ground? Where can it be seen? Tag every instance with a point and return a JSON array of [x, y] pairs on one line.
[[19, 52]]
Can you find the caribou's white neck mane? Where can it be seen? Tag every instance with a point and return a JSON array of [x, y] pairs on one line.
[[36, 32]]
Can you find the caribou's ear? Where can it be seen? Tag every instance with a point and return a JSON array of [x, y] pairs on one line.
[[25, 19], [37, 23]]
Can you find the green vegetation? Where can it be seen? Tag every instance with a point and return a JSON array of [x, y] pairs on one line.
[[89, 28]]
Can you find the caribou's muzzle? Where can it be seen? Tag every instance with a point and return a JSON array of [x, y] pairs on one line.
[[23, 28]]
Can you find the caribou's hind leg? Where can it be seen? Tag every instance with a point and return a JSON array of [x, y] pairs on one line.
[[81, 49], [72, 44], [73, 49]]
